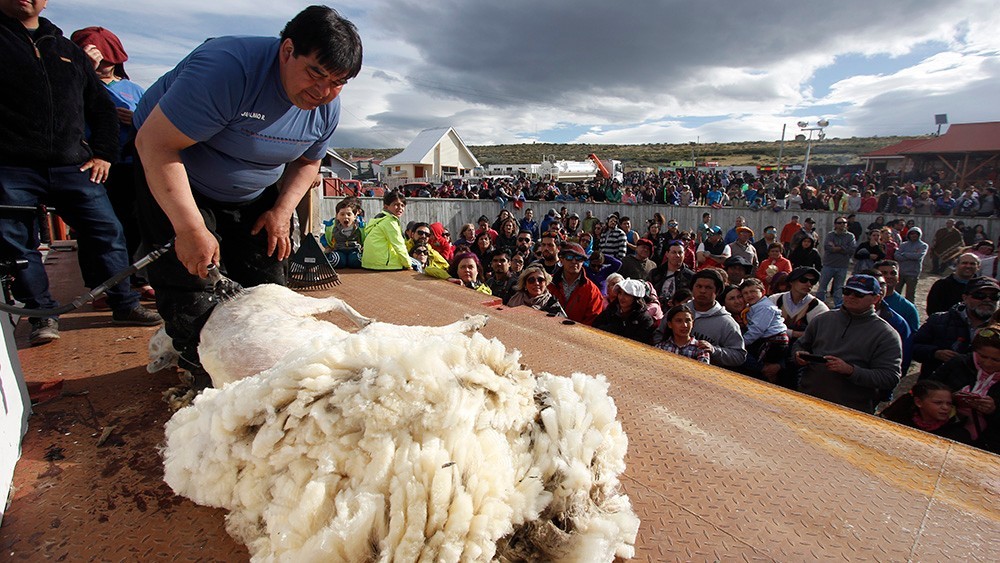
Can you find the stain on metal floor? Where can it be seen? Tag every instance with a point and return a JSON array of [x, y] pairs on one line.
[[720, 467]]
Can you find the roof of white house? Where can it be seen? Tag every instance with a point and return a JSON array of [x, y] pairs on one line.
[[419, 149], [336, 156]]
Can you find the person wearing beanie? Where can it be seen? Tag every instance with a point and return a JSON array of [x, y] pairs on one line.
[[108, 55]]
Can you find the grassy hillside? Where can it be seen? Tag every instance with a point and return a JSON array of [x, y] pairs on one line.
[[754, 153]]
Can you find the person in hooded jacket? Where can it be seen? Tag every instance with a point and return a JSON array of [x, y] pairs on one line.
[[714, 327], [384, 247], [910, 256], [805, 255]]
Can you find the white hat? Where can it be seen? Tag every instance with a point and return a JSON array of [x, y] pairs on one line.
[[635, 288]]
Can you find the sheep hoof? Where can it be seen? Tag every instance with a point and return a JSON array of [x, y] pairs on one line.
[[474, 323]]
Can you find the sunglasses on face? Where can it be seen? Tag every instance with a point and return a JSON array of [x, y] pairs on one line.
[[446, 234], [985, 296], [423, 233], [854, 293], [523, 239], [573, 257], [840, 222], [535, 280], [420, 253], [810, 281]]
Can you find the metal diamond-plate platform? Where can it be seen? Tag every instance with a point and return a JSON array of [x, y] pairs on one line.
[[720, 467]]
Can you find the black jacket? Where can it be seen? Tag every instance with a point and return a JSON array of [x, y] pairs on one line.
[[49, 93], [947, 330], [637, 326]]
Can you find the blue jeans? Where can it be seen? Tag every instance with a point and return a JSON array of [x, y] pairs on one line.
[[838, 276], [82, 204]]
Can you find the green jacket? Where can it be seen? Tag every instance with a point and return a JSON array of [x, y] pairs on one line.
[[384, 247]]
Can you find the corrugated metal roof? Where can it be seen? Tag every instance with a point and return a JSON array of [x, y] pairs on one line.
[[963, 138], [894, 150]]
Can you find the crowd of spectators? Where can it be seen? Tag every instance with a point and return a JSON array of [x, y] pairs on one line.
[[751, 299], [852, 192]]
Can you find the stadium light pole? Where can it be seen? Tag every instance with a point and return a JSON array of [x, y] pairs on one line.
[[804, 126]]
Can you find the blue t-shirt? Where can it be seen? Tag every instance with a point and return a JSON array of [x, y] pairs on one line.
[[227, 95], [125, 94]]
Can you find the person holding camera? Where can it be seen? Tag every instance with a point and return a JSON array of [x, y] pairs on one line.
[[850, 355]]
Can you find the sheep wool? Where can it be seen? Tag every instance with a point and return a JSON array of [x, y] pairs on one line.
[[362, 450]]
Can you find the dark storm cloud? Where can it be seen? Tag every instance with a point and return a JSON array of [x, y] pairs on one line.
[[520, 51]]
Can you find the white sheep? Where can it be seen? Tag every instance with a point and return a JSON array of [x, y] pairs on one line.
[[255, 330]]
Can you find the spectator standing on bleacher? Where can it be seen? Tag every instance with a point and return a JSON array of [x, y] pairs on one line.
[[910, 256], [49, 94], [838, 247]]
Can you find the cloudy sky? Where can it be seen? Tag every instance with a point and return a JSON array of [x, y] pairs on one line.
[[641, 71]]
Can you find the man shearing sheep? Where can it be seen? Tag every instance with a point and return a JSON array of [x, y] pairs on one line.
[[230, 140]]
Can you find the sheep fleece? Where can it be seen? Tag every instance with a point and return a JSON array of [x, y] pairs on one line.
[[372, 449]]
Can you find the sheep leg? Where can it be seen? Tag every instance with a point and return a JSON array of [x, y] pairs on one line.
[[303, 305]]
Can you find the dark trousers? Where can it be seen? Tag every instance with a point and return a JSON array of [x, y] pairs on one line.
[[84, 205], [185, 301], [120, 186]]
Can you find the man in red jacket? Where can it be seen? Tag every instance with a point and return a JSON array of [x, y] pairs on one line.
[[579, 297]]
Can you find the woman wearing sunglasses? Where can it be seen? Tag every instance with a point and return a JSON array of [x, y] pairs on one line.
[[532, 290]]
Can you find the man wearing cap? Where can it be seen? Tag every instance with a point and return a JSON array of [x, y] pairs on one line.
[[949, 290], [49, 96], [638, 266], [838, 248], [673, 274], [579, 297], [808, 230], [948, 333], [738, 269], [714, 327], [788, 232], [762, 246], [798, 306], [713, 252], [743, 246], [861, 354]]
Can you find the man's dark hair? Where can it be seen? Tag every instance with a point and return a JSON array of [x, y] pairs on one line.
[[335, 42], [710, 274], [890, 263], [502, 252], [420, 224]]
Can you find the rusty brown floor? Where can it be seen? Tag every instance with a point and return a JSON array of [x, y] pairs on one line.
[[720, 467]]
